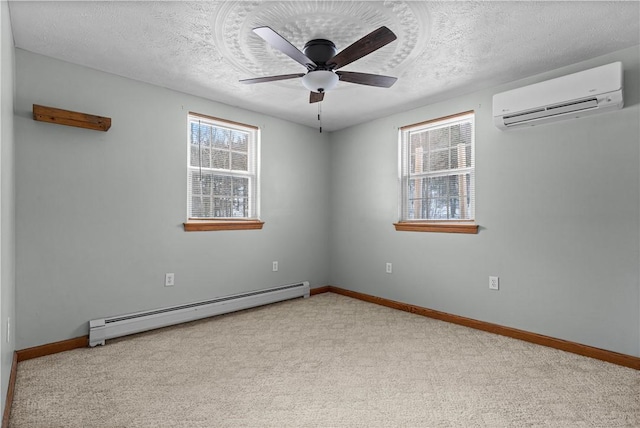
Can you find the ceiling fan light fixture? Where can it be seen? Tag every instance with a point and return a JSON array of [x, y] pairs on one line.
[[320, 80]]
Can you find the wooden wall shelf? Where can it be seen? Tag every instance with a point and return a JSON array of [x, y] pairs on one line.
[[70, 118]]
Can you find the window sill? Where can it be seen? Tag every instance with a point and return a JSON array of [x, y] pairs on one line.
[[210, 225], [416, 226]]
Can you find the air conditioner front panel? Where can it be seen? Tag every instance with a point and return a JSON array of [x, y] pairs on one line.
[[577, 86]]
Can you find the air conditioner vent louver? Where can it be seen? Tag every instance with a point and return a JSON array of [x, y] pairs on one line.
[[582, 104], [524, 113], [576, 95], [560, 109]]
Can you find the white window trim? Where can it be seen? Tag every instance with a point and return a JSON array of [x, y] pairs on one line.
[[227, 223], [433, 225]]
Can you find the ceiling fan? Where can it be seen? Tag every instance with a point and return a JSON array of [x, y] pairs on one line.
[[321, 61]]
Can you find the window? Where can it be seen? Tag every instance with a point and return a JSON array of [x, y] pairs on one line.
[[437, 170], [222, 181]]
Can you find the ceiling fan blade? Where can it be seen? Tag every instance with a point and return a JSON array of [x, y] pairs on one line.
[[369, 43], [316, 97], [284, 46], [271, 78], [367, 79]]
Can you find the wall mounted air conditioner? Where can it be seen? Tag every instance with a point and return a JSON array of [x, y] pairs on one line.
[[596, 90]]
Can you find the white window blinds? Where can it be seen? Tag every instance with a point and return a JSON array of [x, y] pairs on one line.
[[222, 169], [438, 169]]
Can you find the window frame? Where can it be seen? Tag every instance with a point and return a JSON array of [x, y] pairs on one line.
[[252, 221], [404, 158]]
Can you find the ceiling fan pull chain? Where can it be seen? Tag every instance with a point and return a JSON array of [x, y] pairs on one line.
[[319, 117]]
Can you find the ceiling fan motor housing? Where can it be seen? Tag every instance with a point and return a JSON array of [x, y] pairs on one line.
[[320, 51]]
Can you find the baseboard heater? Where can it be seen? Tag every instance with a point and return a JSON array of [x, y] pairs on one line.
[[108, 328]]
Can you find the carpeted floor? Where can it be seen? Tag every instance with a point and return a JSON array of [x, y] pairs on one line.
[[327, 361]]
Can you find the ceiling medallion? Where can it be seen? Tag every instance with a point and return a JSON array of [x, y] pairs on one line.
[[342, 22]]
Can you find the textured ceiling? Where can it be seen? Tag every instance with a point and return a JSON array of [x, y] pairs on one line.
[[443, 48]]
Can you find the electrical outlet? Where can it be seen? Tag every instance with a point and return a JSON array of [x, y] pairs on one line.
[[389, 267], [275, 267], [169, 279], [494, 283]]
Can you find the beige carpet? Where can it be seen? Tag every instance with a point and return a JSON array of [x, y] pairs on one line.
[[327, 361]]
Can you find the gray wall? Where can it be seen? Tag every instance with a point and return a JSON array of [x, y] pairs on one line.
[[558, 207], [99, 215], [7, 201]]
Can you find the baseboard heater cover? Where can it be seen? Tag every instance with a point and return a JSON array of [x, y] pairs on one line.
[[108, 328]]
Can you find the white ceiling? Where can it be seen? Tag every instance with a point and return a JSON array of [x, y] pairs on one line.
[[443, 48]]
